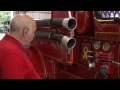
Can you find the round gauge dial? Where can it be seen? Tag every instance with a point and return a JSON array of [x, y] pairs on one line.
[[97, 44], [106, 46]]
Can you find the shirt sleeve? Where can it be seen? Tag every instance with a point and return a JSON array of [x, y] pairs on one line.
[[13, 67]]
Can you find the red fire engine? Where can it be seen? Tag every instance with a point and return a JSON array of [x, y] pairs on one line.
[[77, 45]]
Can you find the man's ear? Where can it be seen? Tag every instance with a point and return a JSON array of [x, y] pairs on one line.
[[25, 31]]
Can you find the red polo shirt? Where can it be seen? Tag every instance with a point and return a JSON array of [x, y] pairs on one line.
[[14, 62]]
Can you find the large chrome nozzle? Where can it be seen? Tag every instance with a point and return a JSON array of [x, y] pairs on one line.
[[68, 42], [69, 23]]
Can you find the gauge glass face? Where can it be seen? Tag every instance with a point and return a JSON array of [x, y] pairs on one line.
[[97, 44], [106, 46]]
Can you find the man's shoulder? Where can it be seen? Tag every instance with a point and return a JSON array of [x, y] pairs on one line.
[[8, 47]]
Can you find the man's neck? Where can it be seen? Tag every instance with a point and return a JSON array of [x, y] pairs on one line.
[[17, 37]]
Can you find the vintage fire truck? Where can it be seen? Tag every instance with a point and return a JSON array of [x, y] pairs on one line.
[[77, 45]]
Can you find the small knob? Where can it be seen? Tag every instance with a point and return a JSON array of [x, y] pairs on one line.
[[91, 65]]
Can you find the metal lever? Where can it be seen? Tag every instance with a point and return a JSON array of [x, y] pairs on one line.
[[110, 61], [115, 62]]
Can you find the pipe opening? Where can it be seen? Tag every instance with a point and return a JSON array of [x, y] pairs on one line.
[[71, 43], [72, 23]]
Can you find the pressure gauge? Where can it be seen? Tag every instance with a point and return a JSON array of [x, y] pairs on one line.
[[97, 44], [106, 46]]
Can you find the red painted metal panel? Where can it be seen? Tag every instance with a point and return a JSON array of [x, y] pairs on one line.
[[75, 65]]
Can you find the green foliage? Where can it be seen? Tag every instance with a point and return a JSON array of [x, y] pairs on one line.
[[4, 16]]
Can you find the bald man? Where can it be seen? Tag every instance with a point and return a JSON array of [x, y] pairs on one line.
[[14, 60]]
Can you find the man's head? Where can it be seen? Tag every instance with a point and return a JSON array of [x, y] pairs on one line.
[[23, 28]]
